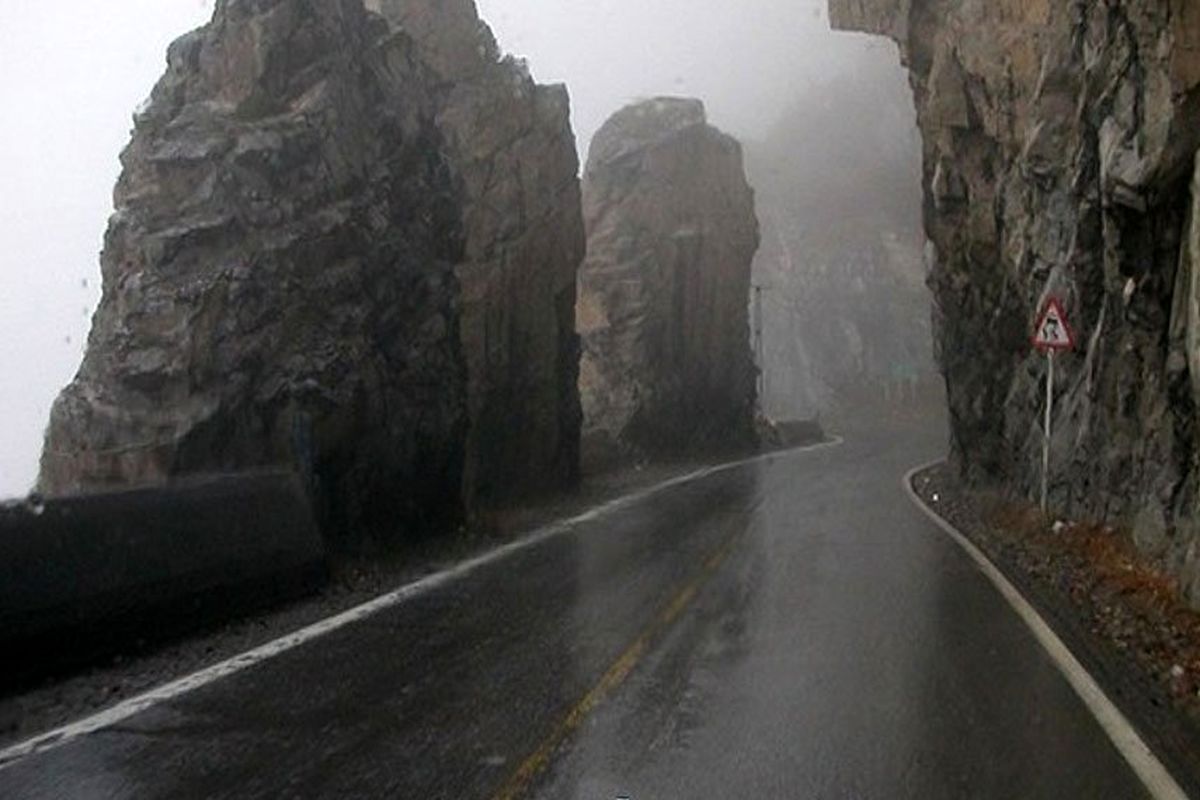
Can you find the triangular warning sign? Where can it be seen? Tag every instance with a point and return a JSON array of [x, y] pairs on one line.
[[1053, 332]]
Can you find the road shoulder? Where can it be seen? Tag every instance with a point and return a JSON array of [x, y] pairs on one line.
[[1158, 741]]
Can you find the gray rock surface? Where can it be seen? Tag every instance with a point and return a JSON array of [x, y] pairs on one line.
[[346, 240], [664, 290], [513, 149], [1060, 142], [278, 276]]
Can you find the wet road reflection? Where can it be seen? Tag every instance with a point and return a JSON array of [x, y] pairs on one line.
[[787, 629], [441, 697], [847, 650]]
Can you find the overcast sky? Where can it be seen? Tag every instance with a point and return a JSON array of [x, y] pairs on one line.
[[71, 72]]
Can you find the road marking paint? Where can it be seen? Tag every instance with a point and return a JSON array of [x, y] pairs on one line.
[[1120, 731], [519, 782], [133, 706], [677, 607]]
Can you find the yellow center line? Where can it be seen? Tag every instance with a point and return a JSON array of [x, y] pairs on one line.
[[519, 782]]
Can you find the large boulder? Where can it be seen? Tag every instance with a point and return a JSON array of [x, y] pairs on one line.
[[278, 278], [513, 150], [1060, 142], [665, 287]]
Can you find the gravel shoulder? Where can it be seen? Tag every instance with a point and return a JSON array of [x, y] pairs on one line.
[[1122, 617], [355, 580]]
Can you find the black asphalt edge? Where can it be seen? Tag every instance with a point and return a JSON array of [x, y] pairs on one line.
[[1151, 729]]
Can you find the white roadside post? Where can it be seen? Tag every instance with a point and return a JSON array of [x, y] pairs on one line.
[[1052, 334]]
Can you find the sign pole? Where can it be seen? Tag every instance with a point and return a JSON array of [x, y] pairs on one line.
[[1049, 422], [1052, 334]]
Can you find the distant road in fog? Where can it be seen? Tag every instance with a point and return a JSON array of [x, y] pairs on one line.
[[788, 628]]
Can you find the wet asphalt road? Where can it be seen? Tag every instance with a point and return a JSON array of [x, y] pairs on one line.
[[791, 628]]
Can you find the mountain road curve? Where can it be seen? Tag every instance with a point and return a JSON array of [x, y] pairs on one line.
[[788, 627]]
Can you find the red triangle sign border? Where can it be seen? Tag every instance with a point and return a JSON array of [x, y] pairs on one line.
[[1053, 307]]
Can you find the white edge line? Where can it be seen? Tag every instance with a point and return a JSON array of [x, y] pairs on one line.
[[122, 711], [1120, 731]]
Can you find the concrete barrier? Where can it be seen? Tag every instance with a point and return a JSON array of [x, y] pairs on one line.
[[87, 576]]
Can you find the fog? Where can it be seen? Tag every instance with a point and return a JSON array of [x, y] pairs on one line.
[[746, 60], [71, 75]]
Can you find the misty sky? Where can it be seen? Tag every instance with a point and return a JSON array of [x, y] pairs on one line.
[[71, 72]]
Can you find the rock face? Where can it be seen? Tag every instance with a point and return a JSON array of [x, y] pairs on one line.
[[278, 275], [512, 147], [664, 290], [1060, 148], [845, 309], [345, 241]]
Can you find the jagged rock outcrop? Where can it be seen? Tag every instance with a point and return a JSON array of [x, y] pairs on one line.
[[664, 289], [346, 239], [1060, 148], [278, 275], [513, 149]]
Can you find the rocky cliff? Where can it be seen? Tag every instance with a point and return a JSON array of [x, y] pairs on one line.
[[512, 147], [278, 276], [664, 289], [1060, 144]]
